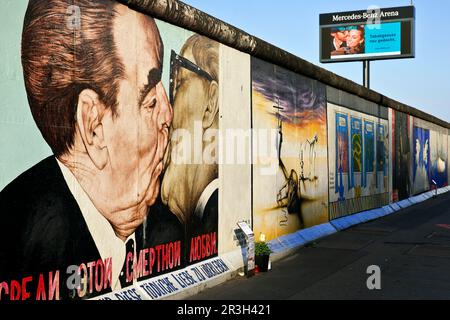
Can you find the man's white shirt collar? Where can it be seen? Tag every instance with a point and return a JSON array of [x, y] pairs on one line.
[[204, 197]]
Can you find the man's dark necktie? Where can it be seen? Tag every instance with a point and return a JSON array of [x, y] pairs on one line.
[[123, 273]]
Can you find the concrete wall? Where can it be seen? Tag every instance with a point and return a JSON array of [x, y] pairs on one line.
[[235, 199], [249, 132]]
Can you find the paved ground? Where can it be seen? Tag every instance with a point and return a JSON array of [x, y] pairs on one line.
[[411, 247]]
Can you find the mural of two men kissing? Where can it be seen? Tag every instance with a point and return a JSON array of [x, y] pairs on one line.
[[111, 205]]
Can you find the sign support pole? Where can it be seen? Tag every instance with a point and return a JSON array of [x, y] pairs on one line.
[[366, 73]]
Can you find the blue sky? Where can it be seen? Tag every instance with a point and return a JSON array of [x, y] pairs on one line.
[[293, 25]]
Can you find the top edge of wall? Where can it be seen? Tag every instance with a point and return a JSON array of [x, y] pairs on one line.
[[187, 17]]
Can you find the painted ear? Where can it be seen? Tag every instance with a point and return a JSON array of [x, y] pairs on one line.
[[89, 109], [212, 106]]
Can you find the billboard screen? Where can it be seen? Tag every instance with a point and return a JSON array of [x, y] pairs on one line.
[[367, 35]]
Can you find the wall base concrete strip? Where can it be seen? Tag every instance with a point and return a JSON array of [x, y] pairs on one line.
[[401, 204], [350, 221], [423, 197], [404, 204], [341, 224], [360, 217], [417, 199], [387, 210], [338, 224], [368, 215], [412, 200], [430, 194], [345, 222], [317, 232], [381, 212], [373, 214], [376, 213], [292, 240], [395, 207], [420, 198], [426, 196], [445, 189], [365, 216], [287, 244]]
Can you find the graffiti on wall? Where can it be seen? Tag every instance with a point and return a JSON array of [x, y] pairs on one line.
[[294, 196], [358, 161], [430, 156], [114, 204], [369, 150], [438, 158], [356, 153], [401, 156], [342, 149], [421, 164]]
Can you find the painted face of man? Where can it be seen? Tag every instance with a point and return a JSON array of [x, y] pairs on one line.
[[190, 167], [137, 135], [190, 102]]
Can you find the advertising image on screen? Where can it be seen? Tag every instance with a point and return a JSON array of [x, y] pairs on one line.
[[369, 40]]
